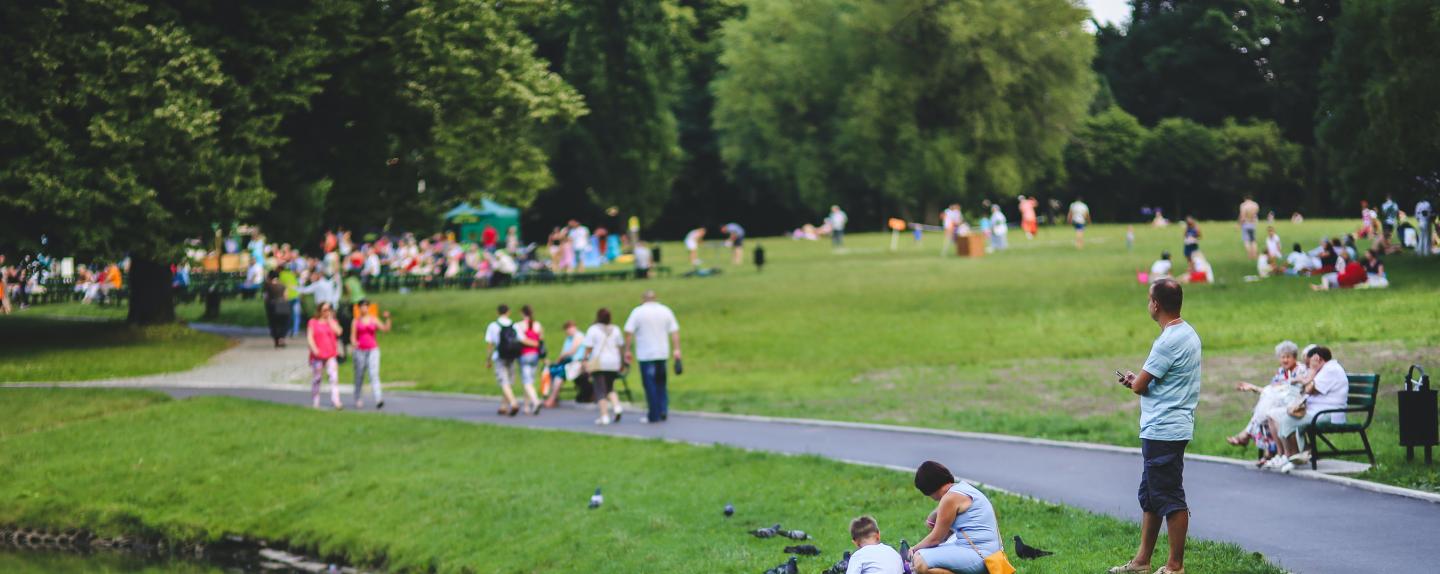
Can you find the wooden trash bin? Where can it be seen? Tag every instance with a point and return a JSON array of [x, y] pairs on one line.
[[972, 245]]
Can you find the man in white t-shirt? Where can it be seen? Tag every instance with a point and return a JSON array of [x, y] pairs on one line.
[[950, 220], [1079, 217], [1161, 268], [644, 260], [1299, 262], [503, 359], [652, 335], [837, 221], [873, 556]]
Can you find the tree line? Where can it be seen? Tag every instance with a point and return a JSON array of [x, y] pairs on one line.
[[129, 126]]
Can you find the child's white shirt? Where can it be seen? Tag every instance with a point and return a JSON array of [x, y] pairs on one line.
[[876, 559]]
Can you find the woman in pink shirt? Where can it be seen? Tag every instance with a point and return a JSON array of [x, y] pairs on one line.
[[367, 352], [322, 334]]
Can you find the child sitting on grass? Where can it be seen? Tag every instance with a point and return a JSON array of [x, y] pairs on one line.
[[873, 556]]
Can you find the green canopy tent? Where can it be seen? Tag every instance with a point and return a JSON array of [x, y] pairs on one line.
[[469, 221]]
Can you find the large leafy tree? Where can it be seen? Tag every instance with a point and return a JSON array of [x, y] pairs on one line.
[[1100, 162], [620, 55], [1379, 127], [116, 139], [1205, 60], [901, 105], [491, 106]]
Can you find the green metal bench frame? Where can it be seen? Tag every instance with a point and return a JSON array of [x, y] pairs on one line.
[[1363, 390]]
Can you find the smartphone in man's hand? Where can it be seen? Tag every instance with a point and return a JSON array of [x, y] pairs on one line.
[[1123, 378]]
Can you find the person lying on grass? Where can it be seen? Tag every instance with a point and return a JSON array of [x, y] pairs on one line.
[[965, 532], [873, 556]]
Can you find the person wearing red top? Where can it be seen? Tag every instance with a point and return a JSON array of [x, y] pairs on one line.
[[1350, 274], [1028, 221], [367, 351], [488, 238], [1353, 274], [532, 336], [322, 334]]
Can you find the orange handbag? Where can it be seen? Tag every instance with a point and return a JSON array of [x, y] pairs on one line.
[[996, 563]]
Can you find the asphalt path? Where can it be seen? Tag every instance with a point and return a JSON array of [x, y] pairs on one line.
[[1305, 526]]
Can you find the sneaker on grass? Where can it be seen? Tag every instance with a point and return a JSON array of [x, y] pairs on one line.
[[1130, 567]]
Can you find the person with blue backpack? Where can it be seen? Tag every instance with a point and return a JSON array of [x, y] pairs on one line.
[[503, 348]]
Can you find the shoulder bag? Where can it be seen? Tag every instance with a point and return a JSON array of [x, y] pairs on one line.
[[592, 363], [996, 563]]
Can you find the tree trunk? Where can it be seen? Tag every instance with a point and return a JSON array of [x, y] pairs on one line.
[[152, 302]]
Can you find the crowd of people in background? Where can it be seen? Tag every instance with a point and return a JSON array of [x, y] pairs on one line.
[[1338, 262]]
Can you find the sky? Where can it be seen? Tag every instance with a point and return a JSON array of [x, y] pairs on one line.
[[1117, 11]]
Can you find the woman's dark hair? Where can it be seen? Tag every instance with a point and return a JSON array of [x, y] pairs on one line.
[[602, 316], [363, 302], [931, 476], [527, 311], [1165, 255], [1297, 248], [322, 307], [1323, 351], [274, 274]]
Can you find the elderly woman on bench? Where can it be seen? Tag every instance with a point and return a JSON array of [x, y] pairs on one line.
[[1326, 387], [1283, 391]]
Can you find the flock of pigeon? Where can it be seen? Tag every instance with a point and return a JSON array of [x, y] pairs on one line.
[[790, 566]]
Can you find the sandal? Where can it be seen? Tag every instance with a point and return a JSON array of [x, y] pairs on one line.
[[503, 411], [515, 410], [1241, 439]]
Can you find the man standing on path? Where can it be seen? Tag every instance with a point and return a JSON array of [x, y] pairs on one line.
[[502, 348], [837, 219], [1080, 217], [652, 335], [1249, 217], [1169, 389]]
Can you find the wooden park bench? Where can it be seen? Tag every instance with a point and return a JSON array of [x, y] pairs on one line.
[[1363, 390]]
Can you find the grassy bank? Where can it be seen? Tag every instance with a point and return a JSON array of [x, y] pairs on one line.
[[41, 349], [416, 495], [1021, 342]]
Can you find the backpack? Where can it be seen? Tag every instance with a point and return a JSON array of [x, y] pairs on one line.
[[508, 344]]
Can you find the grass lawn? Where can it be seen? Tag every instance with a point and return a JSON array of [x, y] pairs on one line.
[[419, 495], [1022, 342], [42, 349]]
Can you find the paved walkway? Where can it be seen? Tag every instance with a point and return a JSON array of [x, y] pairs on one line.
[[1306, 526]]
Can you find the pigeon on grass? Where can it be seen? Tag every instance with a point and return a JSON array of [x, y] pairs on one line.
[[1029, 552], [596, 499], [789, 567], [766, 532], [803, 550]]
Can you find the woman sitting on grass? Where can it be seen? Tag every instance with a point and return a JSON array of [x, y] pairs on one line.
[[1283, 390], [963, 531]]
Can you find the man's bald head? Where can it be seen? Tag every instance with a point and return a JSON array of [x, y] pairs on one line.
[[648, 296]]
